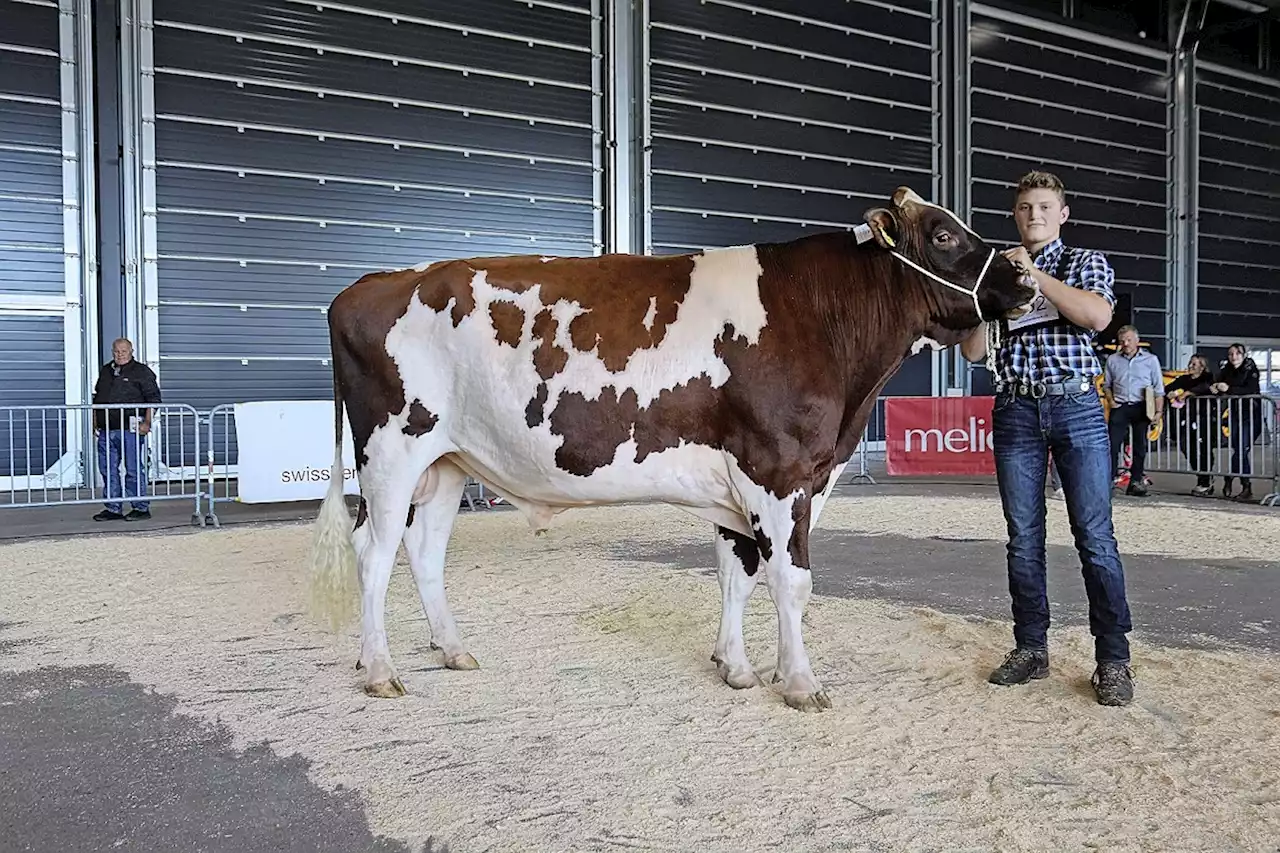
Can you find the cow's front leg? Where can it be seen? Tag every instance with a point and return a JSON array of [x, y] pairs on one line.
[[782, 534], [737, 568]]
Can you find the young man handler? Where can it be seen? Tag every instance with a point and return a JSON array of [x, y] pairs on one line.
[[1045, 400]]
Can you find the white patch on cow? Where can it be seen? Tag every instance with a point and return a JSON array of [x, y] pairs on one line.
[[923, 342], [480, 391], [546, 258], [736, 585], [820, 500], [420, 267], [651, 315]]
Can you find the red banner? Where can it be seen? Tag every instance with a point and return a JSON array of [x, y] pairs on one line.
[[938, 436]]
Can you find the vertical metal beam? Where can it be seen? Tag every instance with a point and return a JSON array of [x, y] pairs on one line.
[[111, 298], [939, 361], [954, 20], [599, 130], [644, 161], [79, 219], [626, 107], [138, 172]]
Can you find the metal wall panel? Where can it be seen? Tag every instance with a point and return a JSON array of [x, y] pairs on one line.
[[1238, 206], [298, 146], [46, 206], [31, 349], [770, 120], [1095, 112], [31, 235]]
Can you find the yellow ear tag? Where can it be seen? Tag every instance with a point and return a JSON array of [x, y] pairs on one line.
[[887, 238]]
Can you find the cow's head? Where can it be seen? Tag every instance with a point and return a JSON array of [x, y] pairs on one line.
[[972, 283]]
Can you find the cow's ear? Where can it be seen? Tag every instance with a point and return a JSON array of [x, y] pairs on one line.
[[884, 228]]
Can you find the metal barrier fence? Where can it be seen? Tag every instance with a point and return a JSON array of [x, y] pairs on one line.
[[1232, 437], [64, 455], [1235, 437], [115, 454]]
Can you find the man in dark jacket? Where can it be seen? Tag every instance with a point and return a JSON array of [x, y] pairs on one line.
[[122, 431]]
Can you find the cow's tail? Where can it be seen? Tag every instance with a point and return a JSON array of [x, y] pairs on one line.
[[333, 589]]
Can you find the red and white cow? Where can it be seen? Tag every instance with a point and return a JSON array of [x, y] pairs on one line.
[[733, 383]]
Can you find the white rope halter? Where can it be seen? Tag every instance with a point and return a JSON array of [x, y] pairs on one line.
[[863, 233]]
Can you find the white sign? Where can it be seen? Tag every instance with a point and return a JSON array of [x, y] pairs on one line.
[[286, 451], [1042, 311]]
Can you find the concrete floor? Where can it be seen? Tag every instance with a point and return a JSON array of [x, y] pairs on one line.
[[90, 761]]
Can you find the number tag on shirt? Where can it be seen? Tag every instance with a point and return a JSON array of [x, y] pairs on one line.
[[1042, 311]]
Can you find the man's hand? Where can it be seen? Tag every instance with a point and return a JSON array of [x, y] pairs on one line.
[[144, 427], [1020, 257]]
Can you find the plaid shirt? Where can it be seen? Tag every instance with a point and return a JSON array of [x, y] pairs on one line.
[[1061, 351]]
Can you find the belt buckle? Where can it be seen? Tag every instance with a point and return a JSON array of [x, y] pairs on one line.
[[1037, 390]]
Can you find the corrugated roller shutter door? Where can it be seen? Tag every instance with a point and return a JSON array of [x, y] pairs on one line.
[[302, 145], [1096, 116], [33, 282], [771, 120], [1238, 206]]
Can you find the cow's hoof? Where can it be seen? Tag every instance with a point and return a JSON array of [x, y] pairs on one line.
[[463, 661], [738, 679], [392, 688], [816, 701], [359, 665]]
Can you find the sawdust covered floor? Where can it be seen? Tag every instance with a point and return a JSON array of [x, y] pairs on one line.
[[596, 721]]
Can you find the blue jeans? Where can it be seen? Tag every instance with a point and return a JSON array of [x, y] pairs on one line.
[[1072, 426], [111, 445]]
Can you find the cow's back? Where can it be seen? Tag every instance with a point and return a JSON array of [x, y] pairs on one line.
[[571, 380]]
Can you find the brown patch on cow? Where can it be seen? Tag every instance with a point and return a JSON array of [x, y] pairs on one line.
[[362, 514], [798, 542], [744, 548], [421, 421], [408, 522], [445, 282], [534, 412], [508, 322], [365, 376], [615, 309], [548, 359]]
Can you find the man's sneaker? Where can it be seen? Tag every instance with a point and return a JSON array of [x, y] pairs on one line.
[[108, 515], [1113, 682], [1020, 666], [1136, 490], [138, 515]]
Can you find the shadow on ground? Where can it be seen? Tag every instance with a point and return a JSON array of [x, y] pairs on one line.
[[1199, 604], [90, 761]]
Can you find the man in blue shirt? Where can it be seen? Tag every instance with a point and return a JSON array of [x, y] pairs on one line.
[[1046, 402], [1131, 374]]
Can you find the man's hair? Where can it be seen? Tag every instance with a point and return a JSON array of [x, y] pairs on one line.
[[1128, 327], [1038, 180]]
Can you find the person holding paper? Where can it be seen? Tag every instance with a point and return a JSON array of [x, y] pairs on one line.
[[1046, 402], [1132, 379]]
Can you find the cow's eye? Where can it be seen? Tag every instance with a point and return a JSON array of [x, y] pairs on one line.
[[942, 237]]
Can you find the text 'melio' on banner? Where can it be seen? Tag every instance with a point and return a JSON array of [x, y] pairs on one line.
[[938, 436]]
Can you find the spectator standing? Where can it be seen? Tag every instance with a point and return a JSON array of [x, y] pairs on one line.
[[1193, 428], [1131, 374], [122, 432], [1240, 377]]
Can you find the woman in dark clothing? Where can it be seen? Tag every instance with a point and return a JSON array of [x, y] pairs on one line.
[[1240, 377], [1192, 423]]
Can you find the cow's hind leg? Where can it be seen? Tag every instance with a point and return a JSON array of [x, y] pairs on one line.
[[379, 528], [737, 568], [426, 540], [782, 534]]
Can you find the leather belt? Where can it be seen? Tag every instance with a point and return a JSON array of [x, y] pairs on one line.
[[1037, 390]]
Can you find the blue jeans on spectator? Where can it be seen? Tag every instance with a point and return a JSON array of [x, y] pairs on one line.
[[1072, 426], [112, 444]]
